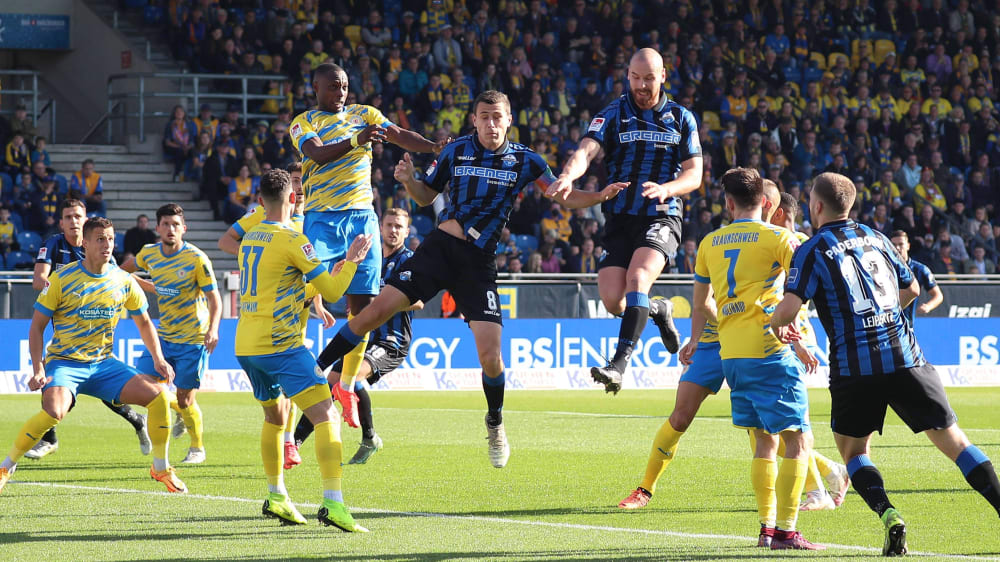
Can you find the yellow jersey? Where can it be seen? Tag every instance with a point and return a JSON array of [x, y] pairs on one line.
[[345, 183], [710, 333], [256, 216], [743, 261], [85, 309], [275, 264], [7, 232], [181, 279]]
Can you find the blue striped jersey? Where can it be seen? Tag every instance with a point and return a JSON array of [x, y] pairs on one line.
[[58, 252], [925, 278], [484, 184], [397, 330], [644, 145], [853, 274], [181, 279]]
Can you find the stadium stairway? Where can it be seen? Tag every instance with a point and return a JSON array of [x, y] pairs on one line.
[[138, 183], [137, 33]]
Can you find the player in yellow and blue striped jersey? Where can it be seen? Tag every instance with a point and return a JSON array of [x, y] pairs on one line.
[[190, 311], [335, 142], [84, 302]]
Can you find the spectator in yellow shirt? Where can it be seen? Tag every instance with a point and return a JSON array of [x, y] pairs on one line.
[[929, 192], [316, 56], [534, 110], [451, 113], [944, 106], [558, 220]]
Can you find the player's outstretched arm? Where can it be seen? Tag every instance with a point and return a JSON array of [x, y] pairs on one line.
[[333, 287], [152, 342], [688, 180], [578, 199], [40, 276], [36, 345], [575, 167], [229, 242], [405, 174], [320, 153], [413, 142]]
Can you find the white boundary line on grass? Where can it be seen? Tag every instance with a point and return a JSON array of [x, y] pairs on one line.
[[480, 518]]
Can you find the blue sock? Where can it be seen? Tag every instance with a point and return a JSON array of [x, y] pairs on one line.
[[493, 387], [867, 481], [633, 321], [980, 474]]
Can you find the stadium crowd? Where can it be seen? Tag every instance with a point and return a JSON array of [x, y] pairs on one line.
[[896, 95]]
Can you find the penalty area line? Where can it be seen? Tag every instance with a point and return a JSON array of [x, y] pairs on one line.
[[483, 519]]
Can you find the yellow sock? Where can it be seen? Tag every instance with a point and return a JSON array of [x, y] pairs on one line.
[[329, 454], [813, 479], [270, 452], [763, 473], [158, 423], [175, 406], [352, 362], [192, 419], [293, 414], [788, 488], [664, 449], [31, 432], [823, 464]]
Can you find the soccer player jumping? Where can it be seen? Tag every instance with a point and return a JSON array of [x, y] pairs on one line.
[[651, 145], [861, 286], [486, 173], [84, 302]]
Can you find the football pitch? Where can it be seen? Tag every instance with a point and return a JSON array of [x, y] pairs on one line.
[[431, 494]]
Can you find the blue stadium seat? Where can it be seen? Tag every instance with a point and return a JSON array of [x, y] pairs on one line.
[[119, 241], [29, 241], [422, 224], [62, 184], [18, 222], [6, 184], [571, 69], [526, 242], [19, 260]]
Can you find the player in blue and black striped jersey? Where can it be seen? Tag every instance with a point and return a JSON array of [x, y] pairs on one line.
[[388, 344], [59, 251], [860, 286], [924, 276], [486, 173], [651, 144]]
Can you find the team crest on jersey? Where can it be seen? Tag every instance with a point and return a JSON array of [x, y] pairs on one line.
[[296, 129], [309, 251], [668, 117], [356, 120], [597, 124], [508, 160], [182, 273], [404, 276]]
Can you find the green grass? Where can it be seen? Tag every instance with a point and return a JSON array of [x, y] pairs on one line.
[[432, 494]]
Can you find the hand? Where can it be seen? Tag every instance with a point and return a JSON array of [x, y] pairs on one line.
[[38, 379], [211, 340], [923, 308], [787, 334], [165, 371], [653, 190], [371, 133], [439, 145], [404, 169], [687, 352], [325, 317], [560, 188], [359, 248], [337, 267], [806, 356], [613, 189]]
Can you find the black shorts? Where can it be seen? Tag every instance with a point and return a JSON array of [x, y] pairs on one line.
[[443, 262], [916, 395], [624, 234], [383, 357]]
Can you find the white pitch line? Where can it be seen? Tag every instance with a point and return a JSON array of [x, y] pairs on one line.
[[484, 519]]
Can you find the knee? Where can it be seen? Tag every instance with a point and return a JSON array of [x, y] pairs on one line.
[[492, 362], [185, 398], [796, 444], [680, 419], [613, 305], [55, 411]]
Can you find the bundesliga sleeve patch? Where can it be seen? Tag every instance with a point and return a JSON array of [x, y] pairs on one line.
[[793, 276], [296, 130], [431, 168], [42, 252], [45, 291], [309, 251], [596, 125]]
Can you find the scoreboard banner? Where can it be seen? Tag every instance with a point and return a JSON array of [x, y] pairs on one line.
[[34, 31], [540, 354]]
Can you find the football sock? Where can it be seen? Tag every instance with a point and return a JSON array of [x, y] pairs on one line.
[[365, 411], [343, 342], [329, 456], [493, 387], [633, 321], [158, 426], [373, 378], [867, 481], [763, 473], [980, 474], [823, 464], [50, 437], [664, 450], [788, 489], [174, 405], [36, 425], [352, 362], [270, 452], [192, 419], [303, 430], [293, 412], [814, 481], [128, 413]]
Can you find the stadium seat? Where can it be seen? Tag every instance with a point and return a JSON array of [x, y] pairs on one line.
[[19, 260], [119, 241], [353, 34], [570, 68], [882, 48], [812, 74], [62, 184], [18, 223], [422, 224], [792, 74], [526, 242], [6, 184], [29, 241], [819, 59]]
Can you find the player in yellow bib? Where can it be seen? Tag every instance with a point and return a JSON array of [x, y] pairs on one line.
[[335, 142], [84, 302], [276, 262]]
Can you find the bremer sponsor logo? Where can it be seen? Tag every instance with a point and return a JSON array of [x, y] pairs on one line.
[[488, 173], [650, 136]]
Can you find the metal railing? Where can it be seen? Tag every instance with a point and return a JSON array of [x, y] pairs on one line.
[[190, 88], [27, 85]]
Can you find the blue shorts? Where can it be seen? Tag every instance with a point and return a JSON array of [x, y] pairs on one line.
[[768, 393], [331, 234], [188, 360], [103, 379], [290, 371], [706, 367]]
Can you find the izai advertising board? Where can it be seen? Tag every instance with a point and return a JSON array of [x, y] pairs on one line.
[[539, 353]]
